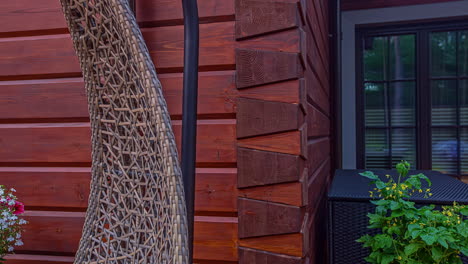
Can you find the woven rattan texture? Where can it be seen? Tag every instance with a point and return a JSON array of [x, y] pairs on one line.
[[136, 210]]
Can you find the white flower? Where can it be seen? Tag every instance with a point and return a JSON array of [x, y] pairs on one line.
[[18, 236], [19, 243], [10, 249], [9, 239], [22, 222], [13, 190]]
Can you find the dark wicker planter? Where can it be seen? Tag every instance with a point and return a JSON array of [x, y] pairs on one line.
[[348, 202]]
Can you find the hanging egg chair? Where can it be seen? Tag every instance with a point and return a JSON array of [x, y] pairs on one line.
[[136, 210]]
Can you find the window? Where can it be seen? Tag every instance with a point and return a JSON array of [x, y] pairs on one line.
[[413, 96]]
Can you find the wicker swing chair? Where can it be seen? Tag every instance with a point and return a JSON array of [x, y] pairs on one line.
[[136, 210]]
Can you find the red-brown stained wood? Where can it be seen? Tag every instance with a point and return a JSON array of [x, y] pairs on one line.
[[37, 259], [46, 15], [318, 151], [318, 184], [290, 244], [256, 167], [285, 193], [287, 143], [284, 41], [318, 124], [54, 54], [48, 187], [250, 256], [259, 117], [215, 237], [70, 142], [315, 92], [354, 5], [260, 218], [260, 17], [66, 98], [256, 67], [215, 190], [286, 92]]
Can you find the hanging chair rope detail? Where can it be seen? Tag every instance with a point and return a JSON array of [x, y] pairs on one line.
[[136, 211]]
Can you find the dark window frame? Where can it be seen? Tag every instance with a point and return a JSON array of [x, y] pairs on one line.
[[421, 30]]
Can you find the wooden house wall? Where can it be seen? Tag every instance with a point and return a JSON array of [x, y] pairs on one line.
[[263, 151], [45, 133], [284, 144]]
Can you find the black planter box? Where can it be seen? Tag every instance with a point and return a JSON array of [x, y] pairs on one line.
[[348, 203]]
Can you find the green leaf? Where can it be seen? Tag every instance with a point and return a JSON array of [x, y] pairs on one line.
[[380, 185], [429, 239], [394, 205], [464, 211], [464, 251], [437, 253], [442, 242], [380, 202], [397, 213], [411, 248], [383, 241], [386, 259], [370, 175]]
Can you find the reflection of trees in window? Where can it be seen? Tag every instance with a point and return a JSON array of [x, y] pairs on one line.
[[415, 96]]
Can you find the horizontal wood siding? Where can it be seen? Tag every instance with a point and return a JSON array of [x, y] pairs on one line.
[[44, 124], [283, 146]]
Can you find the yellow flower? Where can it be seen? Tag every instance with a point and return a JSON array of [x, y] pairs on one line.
[[449, 213], [388, 176], [428, 190], [399, 257], [420, 190], [430, 194]]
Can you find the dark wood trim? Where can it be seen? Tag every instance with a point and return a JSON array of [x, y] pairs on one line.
[[347, 5], [423, 91]]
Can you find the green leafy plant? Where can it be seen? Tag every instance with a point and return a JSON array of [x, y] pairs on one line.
[[410, 234]]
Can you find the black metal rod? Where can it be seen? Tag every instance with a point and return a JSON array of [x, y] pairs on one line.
[[189, 111]]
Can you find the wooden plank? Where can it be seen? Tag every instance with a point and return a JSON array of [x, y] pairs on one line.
[[284, 41], [66, 98], [259, 117], [286, 193], [260, 218], [256, 67], [46, 15], [257, 168], [318, 183], [54, 54], [347, 5], [70, 142], [318, 150], [316, 92], [37, 259], [260, 17], [249, 256], [216, 190], [287, 143], [286, 92], [68, 187], [215, 237], [318, 124], [290, 244]]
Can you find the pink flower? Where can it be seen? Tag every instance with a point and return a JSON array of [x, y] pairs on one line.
[[19, 208]]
